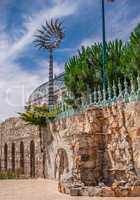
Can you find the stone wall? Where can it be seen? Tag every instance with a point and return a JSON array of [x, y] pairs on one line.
[[122, 135], [20, 148], [102, 147], [97, 150], [81, 139]]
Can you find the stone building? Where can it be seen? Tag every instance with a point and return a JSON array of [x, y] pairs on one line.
[[20, 148]]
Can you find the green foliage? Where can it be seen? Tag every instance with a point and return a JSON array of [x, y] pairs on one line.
[[38, 115], [116, 60], [83, 72], [80, 76], [133, 53], [74, 103], [8, 175]]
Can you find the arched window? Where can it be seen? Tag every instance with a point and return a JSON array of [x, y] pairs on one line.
[[5, 156], [13, 157], [32, 159], [22, 157]]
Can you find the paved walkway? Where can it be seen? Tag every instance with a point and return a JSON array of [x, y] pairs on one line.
[[39, 189]]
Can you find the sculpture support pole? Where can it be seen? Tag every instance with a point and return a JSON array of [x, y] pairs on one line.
[[104, 52], [51, 86]]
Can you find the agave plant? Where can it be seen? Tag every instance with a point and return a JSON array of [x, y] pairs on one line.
[[49, 37]]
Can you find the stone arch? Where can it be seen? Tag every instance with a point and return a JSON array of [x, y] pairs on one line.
[[13, 156], [32, 159], [61, 163], [22, 157], [5, 157]]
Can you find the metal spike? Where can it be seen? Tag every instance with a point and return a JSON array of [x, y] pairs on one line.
[[95, 96], [49, 27], [126, 90], [99, 95], [54, 27], [120, 90], [109, 92], [132, 86], [132, 92], [138, 81], [104, 96], [44, 28], [90, 99], [114, 91]]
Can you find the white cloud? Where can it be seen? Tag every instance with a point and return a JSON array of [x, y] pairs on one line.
[[90, 41], [119, 24], [31, 24], [15, 83], [58, 67]]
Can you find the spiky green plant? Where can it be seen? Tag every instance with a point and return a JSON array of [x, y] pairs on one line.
[[133, 53], [83, 71], [39, 116]]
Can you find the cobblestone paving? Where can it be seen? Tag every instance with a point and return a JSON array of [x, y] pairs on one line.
[[39, 189]]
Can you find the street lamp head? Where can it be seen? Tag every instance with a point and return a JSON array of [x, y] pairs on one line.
[[49, 36]]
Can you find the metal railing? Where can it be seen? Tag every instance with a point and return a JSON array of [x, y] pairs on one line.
[[126, 91]]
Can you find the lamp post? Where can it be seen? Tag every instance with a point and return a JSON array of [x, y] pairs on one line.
[[104, 51]]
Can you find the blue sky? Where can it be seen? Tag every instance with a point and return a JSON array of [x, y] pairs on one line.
[[23, 67]]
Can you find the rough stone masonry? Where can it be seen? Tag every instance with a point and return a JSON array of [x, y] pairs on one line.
[[95, 153]]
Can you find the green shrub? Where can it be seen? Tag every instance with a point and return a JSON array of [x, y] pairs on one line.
[[7, 175]]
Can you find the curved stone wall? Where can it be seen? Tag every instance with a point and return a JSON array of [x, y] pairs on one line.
[[22, 153]]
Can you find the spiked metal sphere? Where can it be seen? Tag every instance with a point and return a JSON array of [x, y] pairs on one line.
[[50, 35]]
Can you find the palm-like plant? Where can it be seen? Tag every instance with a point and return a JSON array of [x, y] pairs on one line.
[[38, 116], [133, 53], [116, 66], [49, 37], [83, 72]]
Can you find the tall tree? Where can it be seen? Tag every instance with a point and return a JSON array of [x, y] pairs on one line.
[[83, 71], [133, 53], [80, 74], [116, 65]]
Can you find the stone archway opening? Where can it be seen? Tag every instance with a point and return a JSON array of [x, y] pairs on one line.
[[61, 163], [32, 159], [22, 158], [13, 156], [5, 157]]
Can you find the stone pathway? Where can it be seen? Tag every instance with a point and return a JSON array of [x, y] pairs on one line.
[[39, 189]]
